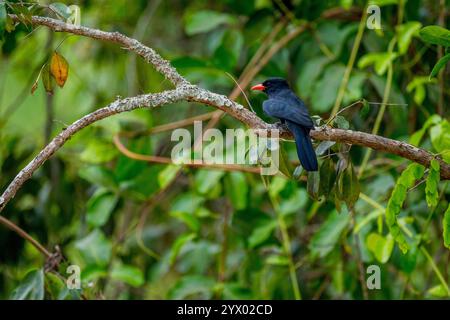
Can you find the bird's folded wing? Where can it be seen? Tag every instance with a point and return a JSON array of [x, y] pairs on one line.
[[288, 111]]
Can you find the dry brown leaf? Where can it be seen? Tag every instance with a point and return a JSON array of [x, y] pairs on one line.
[[59, 68]]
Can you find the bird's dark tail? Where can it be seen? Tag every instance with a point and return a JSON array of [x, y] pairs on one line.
[[305, 150]]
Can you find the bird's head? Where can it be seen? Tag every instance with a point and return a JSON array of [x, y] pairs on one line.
[[272, 85]]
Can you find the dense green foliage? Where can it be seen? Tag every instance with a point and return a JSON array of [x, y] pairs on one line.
[[145, 230]]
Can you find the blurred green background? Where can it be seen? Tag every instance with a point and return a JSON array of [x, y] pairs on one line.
[[141, 230]]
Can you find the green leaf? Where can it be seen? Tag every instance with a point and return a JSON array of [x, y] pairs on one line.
[[294, 203], [446, 227], [128, 274], [206, 179], [396, 96], [99, 176], [354, 90], [61, 10], [178, 245], [166, 176], [333, 35], [440, 136], [435, 35], [313, 184], [227, 54], [205, 20], [446, 156], [297, 172], [431, 189], [203, 212], [47, 79], [75, 15], [367, 219], [382, 3], [261, 233], [348, 186], [236, 188], [277, 185], [327, 177], [380, 246], [341, 122], [188, 218], [438, 291], [192, 287], [326, 238], [364, 111], [381, 61], [277, 260], [346, 4], [406, 180], [3, 18], [236, 291], [56, 287], [337, 273], [186, 63], [399, 238], [405, 32], [439, 65], [99, 207], [187, 202], [22, 12], [418, 85], [31, 287], [309, 74], [95, 248], [417, 136], [407, 262], [284, 164], [419, 95], [323, 100], [98, 151], [94, 272], [324, 146]]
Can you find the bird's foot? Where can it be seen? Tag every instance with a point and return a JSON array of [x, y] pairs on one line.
[[280, 125]]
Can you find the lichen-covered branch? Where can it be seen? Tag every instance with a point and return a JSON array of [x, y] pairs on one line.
[[118, 106], [185, 91]]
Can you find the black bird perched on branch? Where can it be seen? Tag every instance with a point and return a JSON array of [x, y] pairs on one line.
[[290, 109]]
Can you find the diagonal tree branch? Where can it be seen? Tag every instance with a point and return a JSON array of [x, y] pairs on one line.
[[118, 106], [185, 91]]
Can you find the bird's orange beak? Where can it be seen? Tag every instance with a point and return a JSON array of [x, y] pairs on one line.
[[259, 87]]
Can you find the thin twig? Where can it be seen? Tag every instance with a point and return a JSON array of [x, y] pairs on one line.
[[242, 91], [157, 159], [22, 233], [342, 110]]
